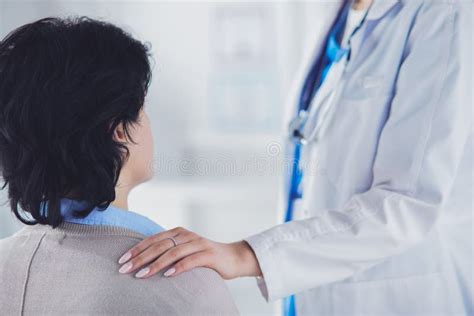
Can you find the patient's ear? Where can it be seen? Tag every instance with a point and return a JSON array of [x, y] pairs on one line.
[[119, 134]]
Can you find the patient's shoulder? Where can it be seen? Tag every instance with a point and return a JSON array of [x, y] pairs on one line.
[[200, 291], [196, 292], [81, 274]]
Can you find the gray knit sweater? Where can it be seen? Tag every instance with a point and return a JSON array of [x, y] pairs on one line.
[[73, 269]]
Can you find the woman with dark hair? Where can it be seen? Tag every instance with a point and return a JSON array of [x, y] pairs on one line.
[[74, 140]]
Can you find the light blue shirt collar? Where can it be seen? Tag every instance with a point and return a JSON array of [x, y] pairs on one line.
[[112, 216]]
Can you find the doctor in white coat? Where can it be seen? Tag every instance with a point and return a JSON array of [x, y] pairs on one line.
[[381, 222]]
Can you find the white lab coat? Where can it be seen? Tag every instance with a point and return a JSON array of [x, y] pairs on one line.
[[385, 224]]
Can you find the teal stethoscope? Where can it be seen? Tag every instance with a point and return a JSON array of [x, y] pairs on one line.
[[334, 53]]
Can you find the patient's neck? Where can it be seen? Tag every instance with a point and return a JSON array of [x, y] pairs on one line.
[[121, 196], [122, 191]]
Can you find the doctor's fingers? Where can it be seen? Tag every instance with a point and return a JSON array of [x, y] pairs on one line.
[[147, 256], [180, 234], [198, 259], [171, 256]]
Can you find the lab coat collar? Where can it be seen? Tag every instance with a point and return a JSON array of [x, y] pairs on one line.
[[377, 11], [379, 8]]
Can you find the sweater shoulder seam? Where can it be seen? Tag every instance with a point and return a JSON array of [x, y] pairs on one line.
[[27, 276]]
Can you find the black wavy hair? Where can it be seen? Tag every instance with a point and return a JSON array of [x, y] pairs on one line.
[[65, 85]]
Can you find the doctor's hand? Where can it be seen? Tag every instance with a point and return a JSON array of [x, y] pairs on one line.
[[180, 250]]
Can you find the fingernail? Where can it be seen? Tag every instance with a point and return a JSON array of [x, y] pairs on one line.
[[169, 272], [125, 257], [125, 268], [142, 273]]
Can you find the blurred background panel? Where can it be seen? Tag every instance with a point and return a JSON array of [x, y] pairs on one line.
[[222, 72]]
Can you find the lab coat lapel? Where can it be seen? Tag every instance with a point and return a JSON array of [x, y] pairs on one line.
[[380, 8], [313, 51], [309, 54], [332, 10], [377, 11]]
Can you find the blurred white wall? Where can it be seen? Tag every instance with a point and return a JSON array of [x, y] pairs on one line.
[[222, 72]]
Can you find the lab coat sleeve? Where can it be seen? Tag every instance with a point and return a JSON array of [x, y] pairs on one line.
[[419, 150]]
